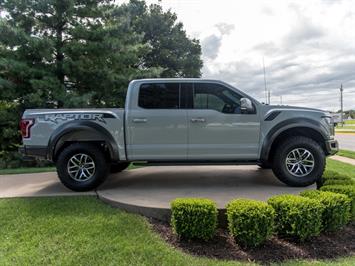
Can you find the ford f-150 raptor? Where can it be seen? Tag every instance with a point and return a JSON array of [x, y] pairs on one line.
[[180, 121]]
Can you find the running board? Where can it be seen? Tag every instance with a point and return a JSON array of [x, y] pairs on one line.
[[172, 163]]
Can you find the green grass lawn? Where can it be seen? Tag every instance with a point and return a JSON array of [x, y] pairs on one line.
[[346, 125], [81, 231], [346, 153], [26, 170], [342, 168], [349, 126]]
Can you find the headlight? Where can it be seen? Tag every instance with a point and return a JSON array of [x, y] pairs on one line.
[[330, 122], [328, 119]]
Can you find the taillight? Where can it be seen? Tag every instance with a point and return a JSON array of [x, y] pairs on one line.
[[25, 127]]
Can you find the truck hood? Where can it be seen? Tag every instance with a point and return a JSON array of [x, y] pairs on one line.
[[291, 107]]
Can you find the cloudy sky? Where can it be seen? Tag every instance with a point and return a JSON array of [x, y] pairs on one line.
[[308, 46]]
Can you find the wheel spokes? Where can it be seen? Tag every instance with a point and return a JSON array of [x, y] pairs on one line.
[[81, 167], [299, 162]]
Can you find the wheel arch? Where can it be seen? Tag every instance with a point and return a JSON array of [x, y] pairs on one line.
[[81, 131], [294, 127]]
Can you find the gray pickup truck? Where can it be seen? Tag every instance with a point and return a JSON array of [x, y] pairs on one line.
[[180, 121]]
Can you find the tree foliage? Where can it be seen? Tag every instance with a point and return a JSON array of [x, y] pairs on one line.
[[170, 47], [79, 53]]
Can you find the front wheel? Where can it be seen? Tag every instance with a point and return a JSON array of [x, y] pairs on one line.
[[299, 161], [82, 166]]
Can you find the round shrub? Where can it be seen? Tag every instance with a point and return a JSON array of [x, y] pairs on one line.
[[348, 190], [336, 211], [194, 217], [250, 222], [297, 216]]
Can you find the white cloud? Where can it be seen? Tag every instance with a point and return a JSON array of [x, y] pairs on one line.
[[308, 46]]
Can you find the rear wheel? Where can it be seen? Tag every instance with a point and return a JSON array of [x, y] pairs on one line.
[[299, 161], [82, 166]]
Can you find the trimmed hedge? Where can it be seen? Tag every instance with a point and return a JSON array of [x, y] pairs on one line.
[[297, 216], [333, 175], [250, 222], [194, 218], [348, 190], [339, 182], [330, 174], [336, 212]]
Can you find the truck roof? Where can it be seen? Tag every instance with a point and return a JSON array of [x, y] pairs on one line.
[[177, 79]]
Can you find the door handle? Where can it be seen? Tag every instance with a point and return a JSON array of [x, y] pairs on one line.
[[198, 120], [140, 120]]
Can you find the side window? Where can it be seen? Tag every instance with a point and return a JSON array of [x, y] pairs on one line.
[[159, 96], [216, 97]]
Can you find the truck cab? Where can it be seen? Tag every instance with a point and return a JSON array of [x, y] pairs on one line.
[[190, 120]]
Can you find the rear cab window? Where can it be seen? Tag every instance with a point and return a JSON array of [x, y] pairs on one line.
[[159, 96]]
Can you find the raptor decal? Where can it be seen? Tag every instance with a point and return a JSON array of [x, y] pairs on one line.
[[74, 116]]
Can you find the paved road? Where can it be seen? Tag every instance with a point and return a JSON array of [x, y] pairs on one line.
[[346, 141]]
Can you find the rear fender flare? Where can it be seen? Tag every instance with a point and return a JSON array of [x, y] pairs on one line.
[[94, 132]]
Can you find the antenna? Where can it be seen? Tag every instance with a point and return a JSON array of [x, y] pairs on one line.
[[269, 96], [341, 105], [266, 94]]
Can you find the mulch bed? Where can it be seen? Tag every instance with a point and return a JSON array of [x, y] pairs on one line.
[[223, 246]]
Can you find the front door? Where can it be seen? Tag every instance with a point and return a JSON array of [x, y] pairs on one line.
[[217, 128], [157, 127]]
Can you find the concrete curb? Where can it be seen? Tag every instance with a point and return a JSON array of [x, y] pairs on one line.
[[343, 159]]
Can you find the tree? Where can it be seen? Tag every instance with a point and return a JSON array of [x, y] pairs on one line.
[[171, 48]]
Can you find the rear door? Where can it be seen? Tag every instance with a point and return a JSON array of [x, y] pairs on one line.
[[156, 125], [217, 128]]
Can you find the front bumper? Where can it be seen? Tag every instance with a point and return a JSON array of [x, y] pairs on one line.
[[332, 146], [33, 151]]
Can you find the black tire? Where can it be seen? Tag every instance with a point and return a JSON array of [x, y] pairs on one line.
[[279, 161], [118, 167], [100, 172]]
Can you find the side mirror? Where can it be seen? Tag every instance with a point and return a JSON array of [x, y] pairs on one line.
[[246, 106]]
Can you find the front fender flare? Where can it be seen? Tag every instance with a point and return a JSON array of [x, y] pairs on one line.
[[286, 125]]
